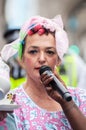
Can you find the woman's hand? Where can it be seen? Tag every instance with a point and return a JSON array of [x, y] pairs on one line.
[[50, 90]]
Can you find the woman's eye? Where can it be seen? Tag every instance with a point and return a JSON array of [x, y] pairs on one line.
[[33, 51], [50, 52]]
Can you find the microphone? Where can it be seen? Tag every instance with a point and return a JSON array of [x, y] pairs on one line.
[[56, 84]]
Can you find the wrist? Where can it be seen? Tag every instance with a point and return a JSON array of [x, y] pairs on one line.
[[67, 106]]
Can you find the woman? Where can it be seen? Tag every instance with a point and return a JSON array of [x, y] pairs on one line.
[[42, 42]]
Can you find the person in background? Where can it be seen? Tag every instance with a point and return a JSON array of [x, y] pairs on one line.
[[17, 73], [73, 77], [43, 41]]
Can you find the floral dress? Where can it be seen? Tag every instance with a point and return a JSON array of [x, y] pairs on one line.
[[31, 117]]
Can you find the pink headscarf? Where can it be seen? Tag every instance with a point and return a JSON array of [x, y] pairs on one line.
[[54, 25]]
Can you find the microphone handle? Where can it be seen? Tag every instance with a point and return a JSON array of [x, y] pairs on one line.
[[57, 85]]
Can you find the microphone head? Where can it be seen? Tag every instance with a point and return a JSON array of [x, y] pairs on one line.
[[44, 68]]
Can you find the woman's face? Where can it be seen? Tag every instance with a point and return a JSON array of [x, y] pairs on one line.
[[39, 51]]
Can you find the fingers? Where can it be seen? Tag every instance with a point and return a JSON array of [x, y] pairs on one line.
[[46, 79]]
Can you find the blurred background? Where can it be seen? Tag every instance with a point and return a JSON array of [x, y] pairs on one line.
[[13, 13]]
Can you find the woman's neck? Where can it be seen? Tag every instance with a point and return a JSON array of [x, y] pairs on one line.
[[38, 94], [34, 87]]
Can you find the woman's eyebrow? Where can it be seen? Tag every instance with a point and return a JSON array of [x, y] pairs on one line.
[[35, 47], [50, 47], [53, 48]]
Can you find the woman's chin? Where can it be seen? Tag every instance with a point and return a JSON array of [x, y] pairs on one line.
[[37, 76]]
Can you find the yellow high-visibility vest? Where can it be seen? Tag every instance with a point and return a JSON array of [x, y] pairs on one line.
[[70, 75], [16, 82]]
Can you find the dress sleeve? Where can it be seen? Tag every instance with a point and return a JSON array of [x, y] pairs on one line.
[[79, 97], [83, 101]]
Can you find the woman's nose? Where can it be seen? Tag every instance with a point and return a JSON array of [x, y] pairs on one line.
[[42, 57]]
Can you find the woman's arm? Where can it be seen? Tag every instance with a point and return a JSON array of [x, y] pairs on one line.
[[75, 117]]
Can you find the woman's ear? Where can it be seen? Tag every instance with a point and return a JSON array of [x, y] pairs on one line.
[[58, 62]]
